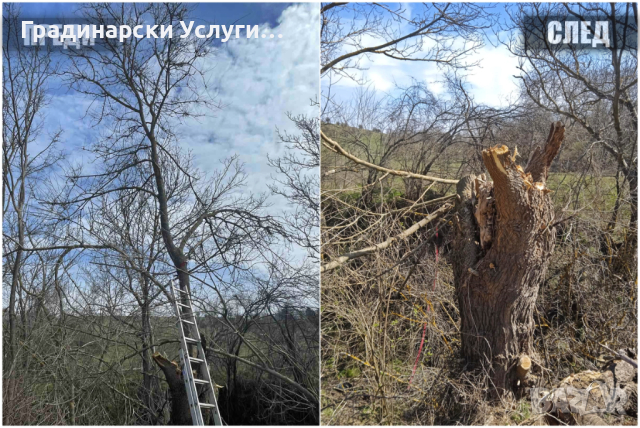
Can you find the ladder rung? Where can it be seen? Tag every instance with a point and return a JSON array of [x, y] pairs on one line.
[[191, 340], [201, 381], [196, 360], [188, 322], [208, 406], [182, 291], [183, 305]]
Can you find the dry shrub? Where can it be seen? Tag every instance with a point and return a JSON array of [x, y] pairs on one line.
[[22, 406], [375, 308]]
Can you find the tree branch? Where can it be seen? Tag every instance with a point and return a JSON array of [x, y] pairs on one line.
[[334, 146], [377, 247]]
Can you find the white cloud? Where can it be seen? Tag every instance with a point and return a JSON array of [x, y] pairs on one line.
[[493, 81], [380, 83], [258, 82], [490, 83]]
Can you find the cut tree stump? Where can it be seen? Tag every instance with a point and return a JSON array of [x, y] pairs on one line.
[[503, 242], [523, 367]]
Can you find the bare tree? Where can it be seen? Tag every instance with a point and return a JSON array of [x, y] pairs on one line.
[[144, 88], [298, 181], [512, 281], [350, 31], [104, 234], [247, 327], [26, 72], [596, 92]]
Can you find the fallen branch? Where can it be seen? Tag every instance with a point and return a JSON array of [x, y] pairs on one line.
[[377, 247], [620, 355], [337, 170], [335, 147]]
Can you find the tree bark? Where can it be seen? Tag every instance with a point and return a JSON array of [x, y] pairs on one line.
[[180, 413], [17, 263], [632, 235], [177, 255], [504, 240], [149, 382]]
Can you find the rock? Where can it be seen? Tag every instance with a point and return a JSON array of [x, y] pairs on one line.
[[583, 398]]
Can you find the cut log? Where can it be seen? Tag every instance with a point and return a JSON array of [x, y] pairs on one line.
[[504, 240], [523, 367]]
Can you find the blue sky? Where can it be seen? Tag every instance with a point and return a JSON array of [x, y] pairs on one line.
[[492, 82], [258, 81]]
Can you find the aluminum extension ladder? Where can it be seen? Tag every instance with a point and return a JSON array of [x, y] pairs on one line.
[[186, 315]]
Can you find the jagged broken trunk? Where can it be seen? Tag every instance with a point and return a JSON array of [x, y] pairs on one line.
[[503, 243], [180, 413]]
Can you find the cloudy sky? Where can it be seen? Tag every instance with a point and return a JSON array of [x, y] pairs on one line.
[[257, 81], [491, 83]]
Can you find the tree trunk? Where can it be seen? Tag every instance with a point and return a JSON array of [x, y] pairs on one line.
[[632, 235], [180, 413], [176, 253], [149, 382], [289, 336], [17, 264], [503, 243]]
